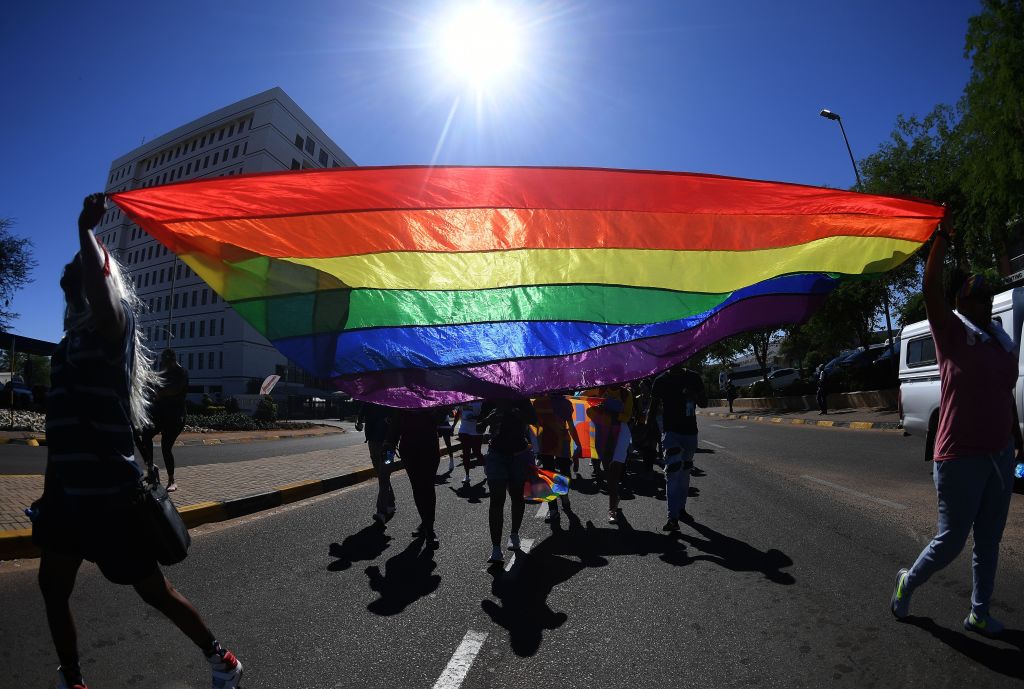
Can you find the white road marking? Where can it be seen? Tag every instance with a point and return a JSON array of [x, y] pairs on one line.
[[542, 510], [524, 545], [718, 425], [720, 447], [458, 667], [850, 491]]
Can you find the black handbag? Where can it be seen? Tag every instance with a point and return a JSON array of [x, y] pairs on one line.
[[170, 539]]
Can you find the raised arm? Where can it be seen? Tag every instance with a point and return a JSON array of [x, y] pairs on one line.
[[103, 301], [939, 312]]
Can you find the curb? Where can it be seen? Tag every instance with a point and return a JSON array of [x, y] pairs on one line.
[[18, 544], [31, 442], [852, 425]]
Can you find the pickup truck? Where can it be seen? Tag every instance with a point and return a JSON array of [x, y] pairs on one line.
[[919, 371]]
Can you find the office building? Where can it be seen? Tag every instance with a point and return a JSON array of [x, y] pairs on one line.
[[223, 354]]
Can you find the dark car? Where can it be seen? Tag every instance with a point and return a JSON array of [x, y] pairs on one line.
[[22, 393]]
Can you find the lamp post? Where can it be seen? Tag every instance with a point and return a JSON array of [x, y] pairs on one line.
[[835, 117]]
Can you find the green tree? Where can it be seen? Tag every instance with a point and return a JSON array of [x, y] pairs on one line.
[[992, 128], [16, 264]]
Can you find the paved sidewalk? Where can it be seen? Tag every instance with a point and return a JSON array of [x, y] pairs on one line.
[[857, 419], [211, 438]]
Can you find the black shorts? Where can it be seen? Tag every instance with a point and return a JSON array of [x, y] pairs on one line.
[[105, 530]]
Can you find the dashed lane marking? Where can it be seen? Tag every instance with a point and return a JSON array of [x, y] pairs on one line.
[[542, 510], [524, 546], [458, 667], [720, 447], [850, 491]]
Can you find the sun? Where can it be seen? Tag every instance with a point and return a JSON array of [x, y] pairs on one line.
[[481, 44]]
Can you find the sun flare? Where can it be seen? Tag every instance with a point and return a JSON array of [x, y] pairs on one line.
[[481, 43]]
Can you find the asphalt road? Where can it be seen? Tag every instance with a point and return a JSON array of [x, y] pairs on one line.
[[783, 581], [22, 459]]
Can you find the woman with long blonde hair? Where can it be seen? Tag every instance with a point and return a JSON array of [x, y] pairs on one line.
[[101, 378]]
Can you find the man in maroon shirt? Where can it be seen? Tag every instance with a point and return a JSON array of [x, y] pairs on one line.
[[975, 442]]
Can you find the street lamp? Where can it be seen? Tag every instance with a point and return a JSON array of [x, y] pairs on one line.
[[835, 117]]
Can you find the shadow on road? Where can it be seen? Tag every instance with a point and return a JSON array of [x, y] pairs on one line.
[[472, 493], [407, 577], [522, 607], [737, 556], [1006, 661], [367, 544]]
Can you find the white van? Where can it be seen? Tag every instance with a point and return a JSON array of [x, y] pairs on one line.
[[919, 372]]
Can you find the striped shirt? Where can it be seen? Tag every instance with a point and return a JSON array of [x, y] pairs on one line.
[[88, 426]]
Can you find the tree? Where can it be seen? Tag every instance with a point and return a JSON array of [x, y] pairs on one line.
[[16, 264], [759, 341], [992, 127]]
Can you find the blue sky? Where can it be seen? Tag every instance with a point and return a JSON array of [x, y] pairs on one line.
[[726, 88]]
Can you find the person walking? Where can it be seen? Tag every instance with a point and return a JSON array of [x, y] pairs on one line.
[[509, 456], [677, 393], [373, 421], [413, 432], [556, 429], [611, 420], [101, 379], [822, 392], [445, 428], [730, 393], [168, 414], [976, 442], [470, 437]]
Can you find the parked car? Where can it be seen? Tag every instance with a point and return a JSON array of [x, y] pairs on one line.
[[22, 393], [782, 378], [862, 357]]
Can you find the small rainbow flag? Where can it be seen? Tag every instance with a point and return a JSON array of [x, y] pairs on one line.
[[425, 286]]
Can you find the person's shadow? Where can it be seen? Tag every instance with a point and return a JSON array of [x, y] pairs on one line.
[[1006, 661], [366, 544], [522, 607], [407, 577], [472, 493], [738, 556]]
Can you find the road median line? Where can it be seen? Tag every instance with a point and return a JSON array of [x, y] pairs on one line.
[[849, 425]]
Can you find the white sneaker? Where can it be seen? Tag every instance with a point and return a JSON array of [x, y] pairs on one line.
[[496, 555], [513, 541], [451, 465], [171, 487], [986, 626], [226, 670], [466, 480]]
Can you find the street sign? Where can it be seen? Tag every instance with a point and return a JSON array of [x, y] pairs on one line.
[[269, 384]]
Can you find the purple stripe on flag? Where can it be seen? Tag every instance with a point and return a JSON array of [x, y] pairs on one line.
[[602, 366]]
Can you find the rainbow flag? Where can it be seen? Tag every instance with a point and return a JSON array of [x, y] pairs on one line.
[[424, 286]]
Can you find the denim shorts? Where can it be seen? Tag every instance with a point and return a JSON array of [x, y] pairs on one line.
[[508, 468]]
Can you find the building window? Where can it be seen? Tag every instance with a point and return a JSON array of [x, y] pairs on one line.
[[205, 295], [193, 149], [212, 324], [234, 153], [202, 328], [323, 157], [215, 157], [188, 168], [220, 363], [190, 359], [145, 280], [310, 146], [231, 131], [201, 361], [213, 298], [299, 141], [161, 276], [210, 360], [206, 162], [158, 299], [295, 164], [177, 272], [175, 301], [222, 327], [245, 148], [221, 134], [191, 329], [195, 293]]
